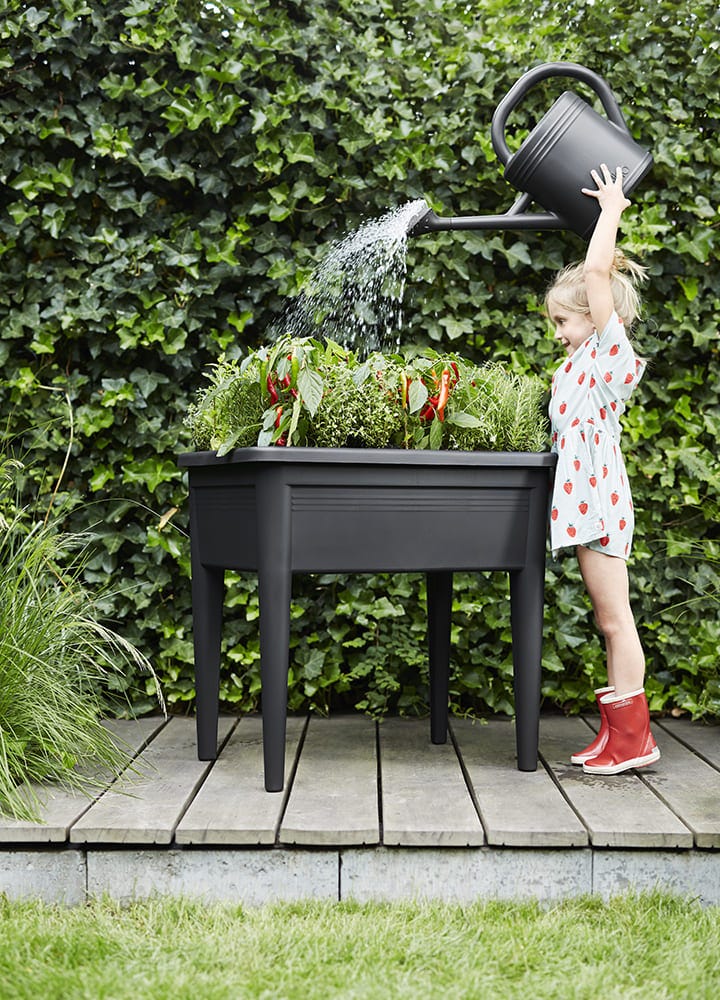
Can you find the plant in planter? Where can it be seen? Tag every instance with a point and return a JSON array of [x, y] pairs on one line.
[[312, 393], [55, 657]]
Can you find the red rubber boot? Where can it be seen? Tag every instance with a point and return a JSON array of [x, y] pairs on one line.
[[630, 742], [601, 739]]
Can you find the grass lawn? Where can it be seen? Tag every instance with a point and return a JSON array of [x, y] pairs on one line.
[[653, 946]]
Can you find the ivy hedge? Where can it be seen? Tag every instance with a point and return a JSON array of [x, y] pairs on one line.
[[170, 173]]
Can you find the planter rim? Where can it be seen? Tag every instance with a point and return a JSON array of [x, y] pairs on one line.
[[371, 456]]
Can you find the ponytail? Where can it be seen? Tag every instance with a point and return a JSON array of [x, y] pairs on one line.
[[625, 277]]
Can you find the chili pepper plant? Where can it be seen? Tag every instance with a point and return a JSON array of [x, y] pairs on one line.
[[313, 393]]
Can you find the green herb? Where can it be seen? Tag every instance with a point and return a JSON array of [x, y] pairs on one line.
[[316, 394]]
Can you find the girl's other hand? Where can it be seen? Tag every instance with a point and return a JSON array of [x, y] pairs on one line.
[[609, 191]]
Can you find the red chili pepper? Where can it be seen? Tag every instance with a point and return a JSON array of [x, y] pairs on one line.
[[444, 394], [272, 391], [278, 415], [456, 370], [428, 411]]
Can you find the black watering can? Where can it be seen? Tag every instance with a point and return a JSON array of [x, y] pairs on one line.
[[554, 162]]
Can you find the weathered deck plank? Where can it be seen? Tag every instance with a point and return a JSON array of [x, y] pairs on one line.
[[425, 800], [59, 808], [702, 738], [689, 786], [146, 809], [518, 808], [232, 806], [334, 798], [619, 810]]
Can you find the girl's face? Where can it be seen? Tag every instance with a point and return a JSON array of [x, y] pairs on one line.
[[572, 329]]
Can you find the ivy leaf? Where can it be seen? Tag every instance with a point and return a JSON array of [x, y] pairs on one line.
[[35, 17], [299, 148]]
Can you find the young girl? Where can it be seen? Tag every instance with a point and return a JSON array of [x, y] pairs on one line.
[[590, 305]]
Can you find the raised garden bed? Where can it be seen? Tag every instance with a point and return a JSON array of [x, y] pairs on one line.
[[278, 511]]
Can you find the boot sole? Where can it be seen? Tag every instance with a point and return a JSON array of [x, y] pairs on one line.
[[625, 765]]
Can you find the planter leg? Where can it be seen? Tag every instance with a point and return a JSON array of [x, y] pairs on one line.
[[207, 608], [526, 599], [274, 593], [439, 600]]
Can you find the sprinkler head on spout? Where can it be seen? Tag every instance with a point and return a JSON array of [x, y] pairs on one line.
[[417, 222]]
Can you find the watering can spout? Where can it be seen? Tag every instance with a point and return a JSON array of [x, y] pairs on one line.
[[426, 221]]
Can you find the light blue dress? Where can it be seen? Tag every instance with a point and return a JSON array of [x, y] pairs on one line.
[[591, 503]]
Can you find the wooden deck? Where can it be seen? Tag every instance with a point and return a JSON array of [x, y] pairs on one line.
[[376, 812]]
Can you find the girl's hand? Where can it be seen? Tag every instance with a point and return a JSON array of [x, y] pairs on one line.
[[609, 191]]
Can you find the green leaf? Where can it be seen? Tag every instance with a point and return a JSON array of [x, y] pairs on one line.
[[294, 420], [462, 419], [690, 287], [417, 395], [151, 472], [436, 435], [361, 374], [229, 443], [35, 18], [310, 387], [299, 147]]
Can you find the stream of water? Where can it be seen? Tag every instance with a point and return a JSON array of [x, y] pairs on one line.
[[354, 295]]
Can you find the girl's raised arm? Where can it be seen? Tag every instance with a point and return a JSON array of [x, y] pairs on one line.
[[601, 248]]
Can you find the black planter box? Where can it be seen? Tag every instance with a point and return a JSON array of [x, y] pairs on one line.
[[278, 511]]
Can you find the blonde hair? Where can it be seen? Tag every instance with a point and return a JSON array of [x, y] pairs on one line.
[[568, 288]]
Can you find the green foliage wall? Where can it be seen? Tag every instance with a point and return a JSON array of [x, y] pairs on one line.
[[169, 172]]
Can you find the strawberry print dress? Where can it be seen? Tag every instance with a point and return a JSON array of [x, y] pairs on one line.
[[591, 503]]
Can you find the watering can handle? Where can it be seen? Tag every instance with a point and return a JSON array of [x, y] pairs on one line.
[[519, 89]]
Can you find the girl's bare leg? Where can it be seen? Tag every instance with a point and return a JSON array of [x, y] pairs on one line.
[[606, 579]]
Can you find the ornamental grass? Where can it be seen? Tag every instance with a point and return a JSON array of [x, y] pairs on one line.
[[56, 657]]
